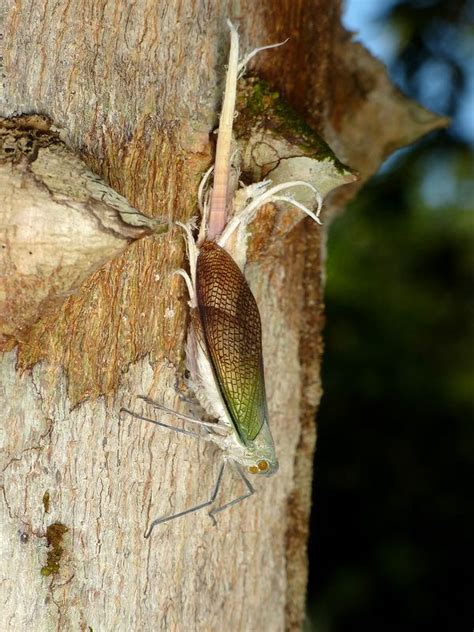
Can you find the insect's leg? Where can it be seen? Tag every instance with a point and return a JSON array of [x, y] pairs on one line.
[[161, 424], [192, 509], [189, 285], [192, 253], [247, 494], [209, 424]]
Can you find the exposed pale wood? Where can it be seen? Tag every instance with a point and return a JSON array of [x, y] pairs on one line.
[[59, 223], [137, 87]]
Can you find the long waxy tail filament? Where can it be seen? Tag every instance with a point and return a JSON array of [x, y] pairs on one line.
[[218, 207]]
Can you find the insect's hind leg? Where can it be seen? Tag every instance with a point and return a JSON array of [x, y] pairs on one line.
[[161, 423], [169, 411], [192, 509]]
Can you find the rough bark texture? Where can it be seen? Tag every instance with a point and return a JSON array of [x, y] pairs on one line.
[[135, 87], [49, 196]]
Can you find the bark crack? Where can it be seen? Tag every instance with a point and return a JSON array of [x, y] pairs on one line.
[[99, 517], [34, 448]]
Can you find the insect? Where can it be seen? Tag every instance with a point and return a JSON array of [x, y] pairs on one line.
[[224, 344]]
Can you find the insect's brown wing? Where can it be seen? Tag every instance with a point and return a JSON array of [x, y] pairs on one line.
[[233, 335]]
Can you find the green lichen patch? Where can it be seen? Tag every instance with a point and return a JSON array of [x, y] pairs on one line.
[[54, 537], [261, 107]]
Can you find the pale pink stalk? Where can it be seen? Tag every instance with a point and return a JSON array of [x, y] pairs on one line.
[[218, 207]]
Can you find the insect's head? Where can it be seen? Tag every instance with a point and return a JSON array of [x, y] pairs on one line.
[[256, 457], [259, 455], [263, 466]]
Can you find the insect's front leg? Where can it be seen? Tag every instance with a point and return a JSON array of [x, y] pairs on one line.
[[191, 509], [250, 491]]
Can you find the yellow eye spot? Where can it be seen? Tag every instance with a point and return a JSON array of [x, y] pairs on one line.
[[262, 466], [253, 469]]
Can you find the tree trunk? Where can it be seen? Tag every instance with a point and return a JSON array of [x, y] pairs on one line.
[[134, 88]]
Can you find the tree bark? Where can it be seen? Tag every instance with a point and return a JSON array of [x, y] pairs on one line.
[[135, 90]]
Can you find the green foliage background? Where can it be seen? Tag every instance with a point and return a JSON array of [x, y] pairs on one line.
[[392, 523]]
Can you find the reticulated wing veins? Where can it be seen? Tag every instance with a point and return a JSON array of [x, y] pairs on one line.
[[233, 335]]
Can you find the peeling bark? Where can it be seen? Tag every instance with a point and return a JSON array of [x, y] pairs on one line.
[[136, 87]]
